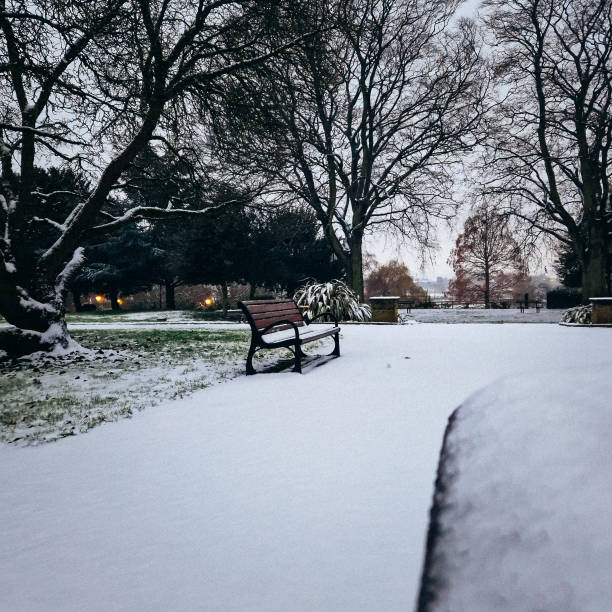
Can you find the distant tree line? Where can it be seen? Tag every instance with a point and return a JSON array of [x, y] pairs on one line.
[[275, 249]]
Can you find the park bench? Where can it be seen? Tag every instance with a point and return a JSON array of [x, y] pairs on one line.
[[281, 324], [406, 305]]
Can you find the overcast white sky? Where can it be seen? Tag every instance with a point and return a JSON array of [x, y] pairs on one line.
[[435, 262]]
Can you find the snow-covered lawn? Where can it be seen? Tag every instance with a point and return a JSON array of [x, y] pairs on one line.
[[127, 368], [481, 315], [273, 492], [189, 318]]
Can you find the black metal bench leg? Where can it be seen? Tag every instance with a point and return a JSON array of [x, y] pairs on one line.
[[249, 363], [336, 350], [298, 359]]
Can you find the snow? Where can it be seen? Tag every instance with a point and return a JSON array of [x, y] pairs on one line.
[[78, 257], [62, 345], [153, 325], [525, 509], [29, 303], [181, 319], [273, 492], [303, 332], [481, 315]]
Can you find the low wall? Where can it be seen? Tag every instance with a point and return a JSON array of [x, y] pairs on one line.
[[384, 308], [602, 310]]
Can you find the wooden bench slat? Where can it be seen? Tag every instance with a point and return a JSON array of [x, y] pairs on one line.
[[265, 321], [273, 307], [279, 314], [251, 303], [278, 328]]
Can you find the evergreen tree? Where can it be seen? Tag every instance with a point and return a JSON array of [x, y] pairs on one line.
[[121, 265], [288, 250], [568, 268]]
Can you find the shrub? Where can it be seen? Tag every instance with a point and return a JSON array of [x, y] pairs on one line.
[[563, 297], [334, 297], [580, 314]]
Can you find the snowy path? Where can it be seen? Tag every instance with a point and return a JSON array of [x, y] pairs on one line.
[[275, 492]]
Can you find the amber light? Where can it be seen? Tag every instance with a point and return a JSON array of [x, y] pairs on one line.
[[99, 298], [208, 301], [119, 301]]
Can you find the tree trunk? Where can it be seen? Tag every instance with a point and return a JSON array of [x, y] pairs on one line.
[[76, 298], [114, 296], [170, 300], [16, 342], [37, 315], [252, 290], [487, 291], [224, 298], [39, 325], [355, 273], [594, 273]]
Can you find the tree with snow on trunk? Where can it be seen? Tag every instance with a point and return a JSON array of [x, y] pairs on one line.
[[91, 83]]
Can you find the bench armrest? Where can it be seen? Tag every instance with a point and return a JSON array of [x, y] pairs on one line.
[[322, 314], [281, 322]]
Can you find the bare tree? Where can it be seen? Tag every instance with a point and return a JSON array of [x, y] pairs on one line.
[[549, 155], [486, 259], [92, 83], [367, 121]]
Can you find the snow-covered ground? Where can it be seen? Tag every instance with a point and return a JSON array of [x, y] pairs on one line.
[[481, 315], [522, 519], [135, 324], [123, 370], [187, 319], [146, 316], [273, 492]]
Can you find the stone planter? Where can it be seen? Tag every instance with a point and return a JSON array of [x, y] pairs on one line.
[[384, 308], [602, 310]]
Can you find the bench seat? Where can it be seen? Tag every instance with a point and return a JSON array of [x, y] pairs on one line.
[[312, 332]]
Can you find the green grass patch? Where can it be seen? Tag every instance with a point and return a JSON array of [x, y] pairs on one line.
[[125, 371]]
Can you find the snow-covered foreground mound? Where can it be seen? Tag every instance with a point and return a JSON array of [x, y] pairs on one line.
[[273, 492], [522, 513]]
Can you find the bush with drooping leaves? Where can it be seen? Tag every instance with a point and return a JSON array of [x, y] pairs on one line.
[[579, 314], [334, 297]]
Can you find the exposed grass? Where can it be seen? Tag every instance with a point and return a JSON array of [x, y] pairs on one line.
[[125, 316], [125, 371]]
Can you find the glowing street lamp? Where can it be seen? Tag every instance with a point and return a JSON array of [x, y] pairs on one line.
[[208, 301], [99, 298]]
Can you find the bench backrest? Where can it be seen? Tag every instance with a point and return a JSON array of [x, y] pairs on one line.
[[262, 313]]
